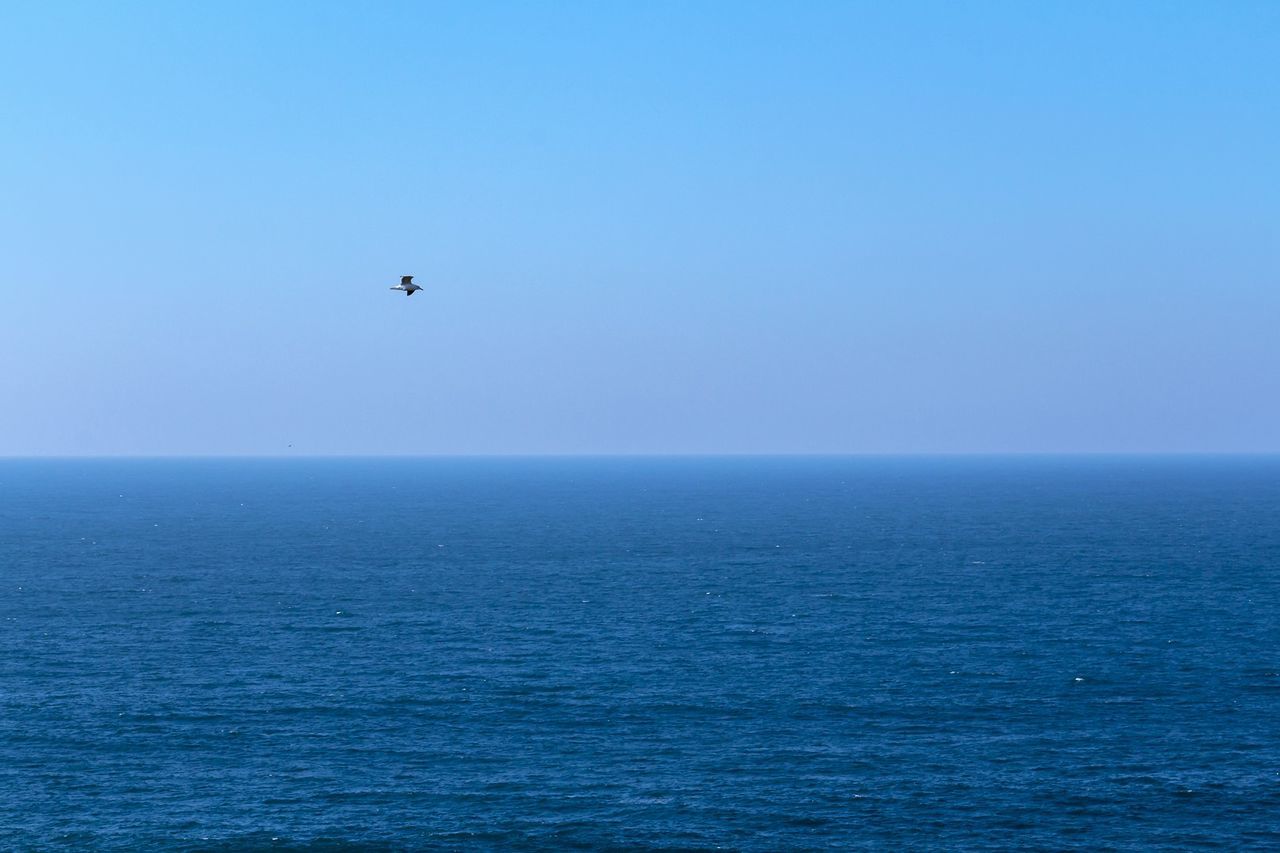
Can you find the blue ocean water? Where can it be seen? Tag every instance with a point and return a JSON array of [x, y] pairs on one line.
[[754, 654]]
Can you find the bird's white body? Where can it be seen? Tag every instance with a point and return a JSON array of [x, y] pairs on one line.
[[406, 284]]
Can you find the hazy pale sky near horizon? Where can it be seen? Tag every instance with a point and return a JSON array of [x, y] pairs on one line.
[[661, 227]]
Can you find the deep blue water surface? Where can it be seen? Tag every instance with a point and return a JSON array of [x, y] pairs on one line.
[[559, 654]]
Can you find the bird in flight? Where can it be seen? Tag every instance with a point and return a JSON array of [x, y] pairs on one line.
[[406, 284]]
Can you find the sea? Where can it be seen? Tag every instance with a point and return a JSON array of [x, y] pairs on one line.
[[764, 654]]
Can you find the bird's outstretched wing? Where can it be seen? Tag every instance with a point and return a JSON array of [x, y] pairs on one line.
[[411, 292], [406, 279]]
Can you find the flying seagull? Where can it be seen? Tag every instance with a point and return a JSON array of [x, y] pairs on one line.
[[406, 284]]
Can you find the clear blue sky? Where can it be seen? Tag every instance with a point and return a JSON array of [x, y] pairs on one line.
[[643, 227]]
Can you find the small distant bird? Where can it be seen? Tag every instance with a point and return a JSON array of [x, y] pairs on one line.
[[406, 284]]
